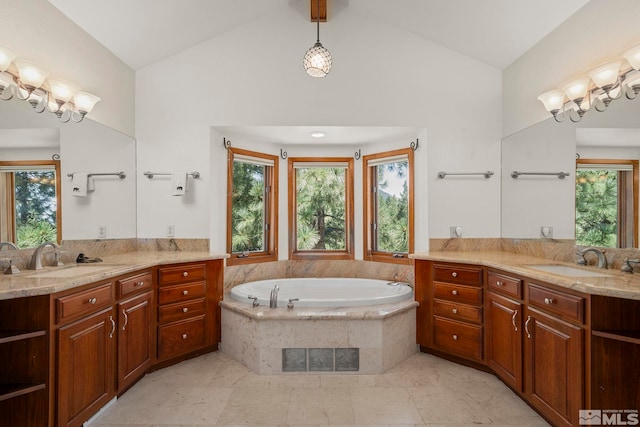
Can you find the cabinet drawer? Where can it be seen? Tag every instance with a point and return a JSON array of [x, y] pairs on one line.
[[504, 284], [178, 293], [181, 337], [569, 306], [134, 284], [84, 302], [458, 293], [183, 310], [181, 274], [452, 310], [457, 337], [454, 274]]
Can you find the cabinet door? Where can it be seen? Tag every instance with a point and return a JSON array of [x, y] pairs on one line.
[[134, 339], [85, 367], [554, 369], [504, 339]]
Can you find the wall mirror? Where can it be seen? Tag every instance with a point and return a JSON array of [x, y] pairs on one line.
[[37, 153], [604, 144]]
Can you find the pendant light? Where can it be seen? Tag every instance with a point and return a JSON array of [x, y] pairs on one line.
[[317, 60]]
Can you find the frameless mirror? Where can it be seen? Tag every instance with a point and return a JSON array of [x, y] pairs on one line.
[[37, 156], [601, 190]]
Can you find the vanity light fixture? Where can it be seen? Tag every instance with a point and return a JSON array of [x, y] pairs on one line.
[[317, 60], [28, 81], [597, 89]]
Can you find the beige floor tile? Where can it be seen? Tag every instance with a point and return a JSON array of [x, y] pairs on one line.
[[257, 406], [347, 380], [327, 405], [372, 405]]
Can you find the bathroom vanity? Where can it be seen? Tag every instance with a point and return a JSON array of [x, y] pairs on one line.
[[82, 335], [563, 343]]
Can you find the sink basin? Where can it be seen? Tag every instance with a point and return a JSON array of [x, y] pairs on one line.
[[564, 270], [72, 270]]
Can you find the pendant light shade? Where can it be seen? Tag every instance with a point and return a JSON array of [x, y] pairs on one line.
[[317, 60]]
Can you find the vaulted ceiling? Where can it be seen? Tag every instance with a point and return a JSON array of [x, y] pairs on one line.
[[496, 32]]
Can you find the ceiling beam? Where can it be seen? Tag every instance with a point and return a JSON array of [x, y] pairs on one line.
[[313, 8]]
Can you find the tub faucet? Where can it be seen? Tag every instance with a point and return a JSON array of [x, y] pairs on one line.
[[273, 301], [36, 258], [602, 260], [8, 245]]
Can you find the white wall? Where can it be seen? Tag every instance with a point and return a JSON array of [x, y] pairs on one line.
[[36, 30], [597, 33], [382, 76]]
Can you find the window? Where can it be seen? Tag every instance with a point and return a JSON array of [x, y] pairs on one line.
[[252, 212], [388, 206], [321, 208], [30, 212], [607, 203]]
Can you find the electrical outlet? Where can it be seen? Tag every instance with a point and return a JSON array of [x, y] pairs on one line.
[[455, 231], [102, 231], [170, 230], [546, 232]]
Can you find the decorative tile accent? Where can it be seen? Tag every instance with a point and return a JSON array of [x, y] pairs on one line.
[[347, 359], [294, 359], [321, 359]]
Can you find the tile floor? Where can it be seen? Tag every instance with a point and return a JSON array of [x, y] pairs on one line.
[[215, 390]]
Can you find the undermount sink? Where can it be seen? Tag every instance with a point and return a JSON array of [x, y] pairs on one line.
[[564, 270], [72, 270]]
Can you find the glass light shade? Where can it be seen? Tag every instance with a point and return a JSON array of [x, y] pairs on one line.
[[317, 61], [633, 56], [6, 57], [552, 100], [61, 90], [606, 75], [633, 79], [85, 102], [6, 80], [577, 88], [31, 74]]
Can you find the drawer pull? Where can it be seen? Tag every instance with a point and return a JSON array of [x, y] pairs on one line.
[[455, 337], [454, 292], [113, 327], [126, 319], [526, 327], [92, 300], [549, 301], [185, 292], [454, 274], [184, 310], [140, 283], [499, 283], [185, 274], [454, 311], [513, 321], [184, 336]]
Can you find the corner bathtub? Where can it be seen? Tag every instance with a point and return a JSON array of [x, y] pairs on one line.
[[324, 292], [340, 326]]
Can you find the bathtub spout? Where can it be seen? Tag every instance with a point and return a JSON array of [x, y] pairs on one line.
[[273, 301]]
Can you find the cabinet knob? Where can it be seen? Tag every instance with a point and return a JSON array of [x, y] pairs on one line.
[[184, 336], [455, 311], [454, 292], [454, 274], [185, 292], [455, 337], [185, 274], [93, 300], [499, 283], [185, 309], [549, 301], [139, 283]]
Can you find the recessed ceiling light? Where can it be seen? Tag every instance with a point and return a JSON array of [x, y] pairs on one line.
[[318, 134]]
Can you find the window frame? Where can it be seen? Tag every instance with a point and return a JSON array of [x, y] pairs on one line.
[[622, 199], [348, 252], [271, 210], [8, 205], [370, 203]]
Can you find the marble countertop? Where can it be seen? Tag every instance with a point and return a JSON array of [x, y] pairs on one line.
[[614, 284], [44, 282]]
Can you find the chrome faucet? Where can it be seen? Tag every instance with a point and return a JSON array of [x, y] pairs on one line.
[[8, 245], [36, 259], [273, 300], [602, 260]]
